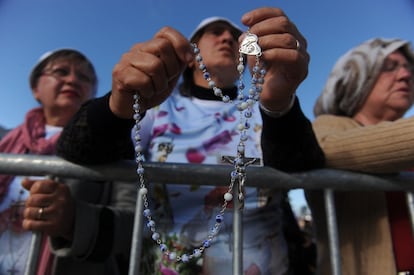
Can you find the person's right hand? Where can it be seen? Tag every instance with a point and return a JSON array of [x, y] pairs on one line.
[[50, 208], [150, 69]]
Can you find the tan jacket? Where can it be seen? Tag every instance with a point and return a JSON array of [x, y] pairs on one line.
[[364, 234]]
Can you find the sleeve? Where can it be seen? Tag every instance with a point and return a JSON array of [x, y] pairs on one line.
[[95, 135], [101, 230], [386, 147], [289, 143]]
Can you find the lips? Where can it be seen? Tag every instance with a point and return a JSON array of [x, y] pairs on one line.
[[227, 50], [70, 92]]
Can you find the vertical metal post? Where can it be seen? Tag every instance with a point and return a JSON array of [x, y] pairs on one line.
[[410, 205], [136, 246], [34, 251], [35, 244], [237, 233], [332, 231]]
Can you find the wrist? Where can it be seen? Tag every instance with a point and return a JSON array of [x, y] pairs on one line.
[[279, 113]]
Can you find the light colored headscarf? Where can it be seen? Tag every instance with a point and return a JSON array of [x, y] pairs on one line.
[[354, 75]]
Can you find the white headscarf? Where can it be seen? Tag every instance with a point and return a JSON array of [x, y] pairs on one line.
[[354, 74]]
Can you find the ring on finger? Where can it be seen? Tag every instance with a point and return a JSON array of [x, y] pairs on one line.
[[297, 45], [40, 213]]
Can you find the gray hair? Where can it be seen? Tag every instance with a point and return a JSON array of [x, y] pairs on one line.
[[354, 75]]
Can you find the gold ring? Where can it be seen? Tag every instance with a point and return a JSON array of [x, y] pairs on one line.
[[40, 213], [297, 45]]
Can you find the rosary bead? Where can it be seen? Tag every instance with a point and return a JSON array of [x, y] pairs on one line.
[[140, 171], [250, 102], [228, 197], [196, 50], [144, 190], [172, 256], [240, 68], [163, 247], [234, 174], [197, 252], [206, 243], [138, 148], [147, 212], [155, 236], [185, 258], [240, 148], [218, 92], [150, 224], [226, 99]]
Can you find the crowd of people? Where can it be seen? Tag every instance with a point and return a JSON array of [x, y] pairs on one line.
[[156, 87]]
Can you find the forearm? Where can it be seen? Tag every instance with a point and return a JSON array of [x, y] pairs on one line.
[[386, 147], [289, 143], [101, 230], [95, 135]]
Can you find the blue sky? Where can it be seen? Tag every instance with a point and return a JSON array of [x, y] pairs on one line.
[[104, 30]]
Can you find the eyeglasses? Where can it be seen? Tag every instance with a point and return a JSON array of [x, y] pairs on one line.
[[61, 72], [395, 66]]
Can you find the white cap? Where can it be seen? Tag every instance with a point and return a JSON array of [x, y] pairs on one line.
[[204, 23]]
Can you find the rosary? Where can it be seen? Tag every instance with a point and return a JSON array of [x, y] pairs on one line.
[[245, 103]]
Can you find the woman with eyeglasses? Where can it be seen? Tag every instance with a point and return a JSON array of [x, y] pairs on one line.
[[66, 211], [360, 126]]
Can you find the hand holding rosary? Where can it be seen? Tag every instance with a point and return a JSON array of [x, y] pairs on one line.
[[244, 102]]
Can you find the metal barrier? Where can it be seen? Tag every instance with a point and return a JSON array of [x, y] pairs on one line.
[[326, 179]]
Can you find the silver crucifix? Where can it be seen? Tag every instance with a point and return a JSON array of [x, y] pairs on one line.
[[240, 163]]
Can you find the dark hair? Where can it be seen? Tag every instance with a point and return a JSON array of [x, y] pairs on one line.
[[187, 82], [68, 54]]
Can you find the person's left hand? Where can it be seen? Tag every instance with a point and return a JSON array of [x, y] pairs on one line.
[[284, 53], [50, 208]]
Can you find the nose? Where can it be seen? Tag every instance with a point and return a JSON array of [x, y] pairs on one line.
[[73, 77], [227, 35], [405, 69]]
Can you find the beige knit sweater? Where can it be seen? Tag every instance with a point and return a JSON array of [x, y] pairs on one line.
[[365, 240]]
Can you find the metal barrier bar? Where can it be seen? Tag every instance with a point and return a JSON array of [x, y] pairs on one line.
[[237, 233], [33, 257], [136, 247], [177, 173], [410, 204], [332, 231], [202, 174]]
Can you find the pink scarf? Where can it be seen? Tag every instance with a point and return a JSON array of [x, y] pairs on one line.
[[28, 138]]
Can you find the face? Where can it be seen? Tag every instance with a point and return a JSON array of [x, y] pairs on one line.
[[219, 47], [393, 93], [62, 88]]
